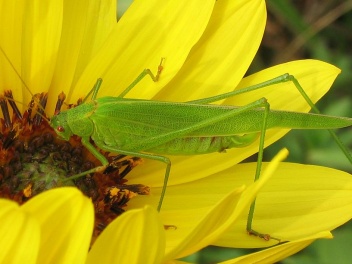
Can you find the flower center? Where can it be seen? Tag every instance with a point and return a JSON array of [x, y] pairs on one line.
[[33, 160]]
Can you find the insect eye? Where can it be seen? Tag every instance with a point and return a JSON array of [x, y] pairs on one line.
[[60, 129]]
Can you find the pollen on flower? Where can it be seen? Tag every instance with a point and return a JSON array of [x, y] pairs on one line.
[[27, 191], [33, 160]]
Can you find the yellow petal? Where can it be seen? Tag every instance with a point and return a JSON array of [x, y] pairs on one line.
[[287, 207], [66, 219], [137, 236], [20, 234], [218, 61], [277, 253], [86, 25], [195, 228], [40, 43], [198, 227], [10, 41], [291, 202], [148, 31]]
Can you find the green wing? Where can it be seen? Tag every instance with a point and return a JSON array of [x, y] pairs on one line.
[[150, 118]]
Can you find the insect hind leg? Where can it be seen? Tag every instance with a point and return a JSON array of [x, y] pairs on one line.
[[266, 105], [277, 80], [316, 110]]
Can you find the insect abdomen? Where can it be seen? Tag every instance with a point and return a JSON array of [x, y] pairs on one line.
[[203, 145]]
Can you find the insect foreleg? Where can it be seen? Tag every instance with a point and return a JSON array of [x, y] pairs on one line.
[[97, 155], [94, 151], [145, 72], [94, 90]]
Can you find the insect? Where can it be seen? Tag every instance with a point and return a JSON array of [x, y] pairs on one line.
[[142, 128]]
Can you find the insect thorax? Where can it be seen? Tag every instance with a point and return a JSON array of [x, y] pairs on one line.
[[78, 119]]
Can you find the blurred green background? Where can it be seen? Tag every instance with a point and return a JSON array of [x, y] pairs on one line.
[[301, 29]]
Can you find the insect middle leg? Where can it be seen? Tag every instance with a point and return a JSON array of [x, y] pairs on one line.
[[105, 163], [145, 72], [161, 158]]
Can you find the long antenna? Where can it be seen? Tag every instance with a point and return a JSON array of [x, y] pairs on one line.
[[22, 81], [11, 99]]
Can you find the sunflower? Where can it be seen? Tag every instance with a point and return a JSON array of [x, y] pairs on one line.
[[65, 46]]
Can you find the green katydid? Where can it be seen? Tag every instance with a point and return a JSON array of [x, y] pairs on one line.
[[142, 128]]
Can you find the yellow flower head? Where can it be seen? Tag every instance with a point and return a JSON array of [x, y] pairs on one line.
[[65, 46]]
